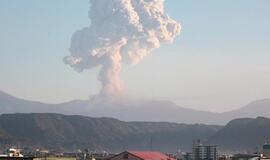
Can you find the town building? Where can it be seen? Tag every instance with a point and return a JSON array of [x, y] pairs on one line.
[[245, 157], [141, 155], [266, 150], [204, 152]]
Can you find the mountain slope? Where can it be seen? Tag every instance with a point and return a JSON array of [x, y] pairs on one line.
[[69, 132], [243, 134], [145, 110], [252, 110], [141, 110], [134, 110], [56, 131], [11, 104]]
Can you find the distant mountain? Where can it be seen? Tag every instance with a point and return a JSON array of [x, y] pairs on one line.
[[131, 110], [56, 131], [146, 110], [134, 110], [252, 110], [243, 134], [11, 104]]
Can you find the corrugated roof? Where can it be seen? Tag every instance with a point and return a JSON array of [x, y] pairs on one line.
[[149, 155]]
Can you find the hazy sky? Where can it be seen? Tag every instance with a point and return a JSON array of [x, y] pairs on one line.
[[221, 60]]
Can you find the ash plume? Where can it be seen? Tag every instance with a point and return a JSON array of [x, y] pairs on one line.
[[121, 31]]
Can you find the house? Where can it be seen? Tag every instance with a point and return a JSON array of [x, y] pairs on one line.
[[141, 155]]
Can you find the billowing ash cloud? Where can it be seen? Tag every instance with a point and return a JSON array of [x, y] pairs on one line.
[[120, 31]]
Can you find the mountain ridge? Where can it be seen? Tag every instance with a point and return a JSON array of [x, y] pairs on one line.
[[69, 132], [243, 134], [136, 110], [57, 131]]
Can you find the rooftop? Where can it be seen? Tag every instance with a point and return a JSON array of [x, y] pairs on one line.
[[149, 155]]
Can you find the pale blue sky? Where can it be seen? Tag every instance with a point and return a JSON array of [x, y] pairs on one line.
[[220, 61]]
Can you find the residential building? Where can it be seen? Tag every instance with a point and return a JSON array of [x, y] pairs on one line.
[[141, 155], [204, 152]]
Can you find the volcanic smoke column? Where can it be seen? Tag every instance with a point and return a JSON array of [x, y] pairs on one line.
[[120, 31]]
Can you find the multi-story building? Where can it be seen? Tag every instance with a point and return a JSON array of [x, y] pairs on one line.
[[266, 150], [204, 152]]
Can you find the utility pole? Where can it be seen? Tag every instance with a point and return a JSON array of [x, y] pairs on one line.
[[151, 143]]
